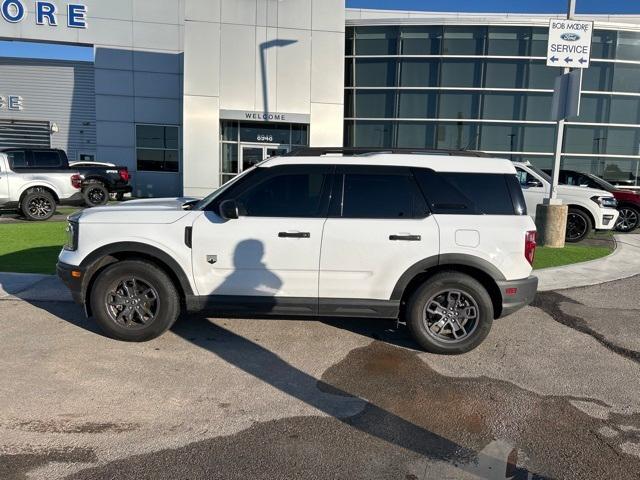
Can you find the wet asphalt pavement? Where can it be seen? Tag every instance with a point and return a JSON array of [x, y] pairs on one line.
[[554, 392]]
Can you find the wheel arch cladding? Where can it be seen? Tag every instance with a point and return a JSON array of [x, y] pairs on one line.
[[481, 270], [99, 259], [36, 188]]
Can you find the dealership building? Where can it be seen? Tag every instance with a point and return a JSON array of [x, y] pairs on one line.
[[189, 93]]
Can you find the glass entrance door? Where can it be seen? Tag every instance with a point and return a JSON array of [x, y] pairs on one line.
[[253, 154]]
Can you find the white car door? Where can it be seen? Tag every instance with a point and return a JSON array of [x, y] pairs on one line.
[[270, 254], [378, 228], [4, 180], [534, 188]]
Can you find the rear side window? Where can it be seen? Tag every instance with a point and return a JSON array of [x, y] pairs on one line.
[[469, 193], [382, 196], [46, 159], [17, 159]]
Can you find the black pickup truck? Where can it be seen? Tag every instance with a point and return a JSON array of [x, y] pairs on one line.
[[99, 179]]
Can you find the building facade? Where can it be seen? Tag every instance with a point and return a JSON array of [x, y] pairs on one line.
[[189, 93]]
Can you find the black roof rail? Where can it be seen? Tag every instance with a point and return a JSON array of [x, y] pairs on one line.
[[353, 151]]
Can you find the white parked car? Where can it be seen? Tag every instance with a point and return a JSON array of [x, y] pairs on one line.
[[33, 182], [589, 208], [442, 242]]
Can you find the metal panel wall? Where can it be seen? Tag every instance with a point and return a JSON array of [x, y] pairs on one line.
[[56, 92]]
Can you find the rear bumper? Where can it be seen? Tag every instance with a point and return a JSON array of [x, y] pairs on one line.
[[517, 294], [75, 285], [120, 189]]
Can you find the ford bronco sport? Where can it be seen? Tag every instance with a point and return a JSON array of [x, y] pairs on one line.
[[439, 240]]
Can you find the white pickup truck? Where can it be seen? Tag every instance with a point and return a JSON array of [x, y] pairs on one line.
[[34, 182]]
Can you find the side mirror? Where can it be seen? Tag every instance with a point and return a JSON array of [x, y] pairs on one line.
[[533, 183], [229, 210]]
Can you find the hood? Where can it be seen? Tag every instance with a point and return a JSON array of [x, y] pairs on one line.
[[152, 210], [573, 190]]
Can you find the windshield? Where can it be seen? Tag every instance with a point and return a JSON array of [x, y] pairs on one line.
[[603, 183], [201, 205], [541, 173]]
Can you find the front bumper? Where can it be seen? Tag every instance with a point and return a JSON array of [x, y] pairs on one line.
[[74, 283], [77, 199], [517, 294]]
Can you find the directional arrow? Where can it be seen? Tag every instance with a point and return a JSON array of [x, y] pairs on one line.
[[554, 59], [582, 60], [568, 60]]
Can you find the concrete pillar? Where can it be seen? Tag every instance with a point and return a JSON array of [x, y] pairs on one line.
[[551, 221]]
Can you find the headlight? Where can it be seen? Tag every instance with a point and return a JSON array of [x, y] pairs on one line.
[[72, 237], [606, 202]]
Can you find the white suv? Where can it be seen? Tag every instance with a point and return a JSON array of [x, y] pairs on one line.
[[589, 208], [441, 241]]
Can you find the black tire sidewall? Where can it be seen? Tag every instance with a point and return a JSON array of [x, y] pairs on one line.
[[93, 186], [149, 273], [24, 206], [637, 211], [586, 219], [440, 282]]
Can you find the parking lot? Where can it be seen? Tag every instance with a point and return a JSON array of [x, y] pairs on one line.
[[552, 393]]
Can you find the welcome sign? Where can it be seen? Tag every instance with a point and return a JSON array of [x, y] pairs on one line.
[[46, 13]]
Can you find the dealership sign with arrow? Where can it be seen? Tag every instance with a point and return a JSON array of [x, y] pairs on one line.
[[569, 44]]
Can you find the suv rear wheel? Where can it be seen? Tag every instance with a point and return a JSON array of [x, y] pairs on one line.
[[450, 313], [96, 194], [578, 225], [134, 301]]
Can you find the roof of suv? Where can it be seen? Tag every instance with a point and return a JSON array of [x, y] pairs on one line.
[[434, 161]]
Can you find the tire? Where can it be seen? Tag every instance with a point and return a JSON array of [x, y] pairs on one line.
[[120, 196], [115, 293], [629, 219], [434, 295], [38, 205], [95, 194], [578, 226]]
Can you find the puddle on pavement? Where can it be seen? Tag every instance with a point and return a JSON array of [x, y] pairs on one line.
[[416, 424]]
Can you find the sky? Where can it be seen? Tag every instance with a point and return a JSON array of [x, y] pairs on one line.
[[509, 6]]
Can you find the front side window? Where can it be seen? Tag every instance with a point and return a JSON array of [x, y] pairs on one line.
[[157, 148], [289, 193], [382, 196], [17, 159]]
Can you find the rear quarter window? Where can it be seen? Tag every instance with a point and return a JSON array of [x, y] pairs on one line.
[[457, 193]]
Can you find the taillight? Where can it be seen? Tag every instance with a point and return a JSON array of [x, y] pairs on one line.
[[530, 246], [124, 174], [76, 181]]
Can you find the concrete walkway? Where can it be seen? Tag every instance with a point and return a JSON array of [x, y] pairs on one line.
[[623, 263]]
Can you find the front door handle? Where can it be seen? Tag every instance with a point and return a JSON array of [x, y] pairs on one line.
[[405, 238], [294, 235]]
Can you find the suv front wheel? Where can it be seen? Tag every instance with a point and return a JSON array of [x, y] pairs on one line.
[[450, 313], [134, 301]]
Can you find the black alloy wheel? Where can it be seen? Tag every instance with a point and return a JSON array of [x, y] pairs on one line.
[[578, 226], [38, 206], [629, 219], [96, 194]]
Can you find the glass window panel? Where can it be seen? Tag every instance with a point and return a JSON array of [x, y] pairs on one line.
[[226, 178], [349, 131], [416, 135], [300, 134], [375, 73], [150, 160], [265, 133], [17, 159], [348, 72], [624, 110], [628, 46], [502, 137], [464, 40], [587, 139], [598, 77], [539, 138], [373, 134], [375, 104], [150, 136], [623, 171], [421, 40], [171, 139], [376, 40], [419, 104], [622, 141], [458, 105], [603, 44], [541, 76], [171, 161], [381, 196], [349, 109], [505, 74], [538, 106], [348, 40], [594, 109], [461, 73], [229, 158], [419, 73], [539, 41], [457, 136], [45, 159], [229, 131], [544, 162], [503, 106], [488, 192], [511, 41], [626, 77]]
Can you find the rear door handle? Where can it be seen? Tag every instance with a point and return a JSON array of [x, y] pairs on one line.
[[294, 235], [405, 238]]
